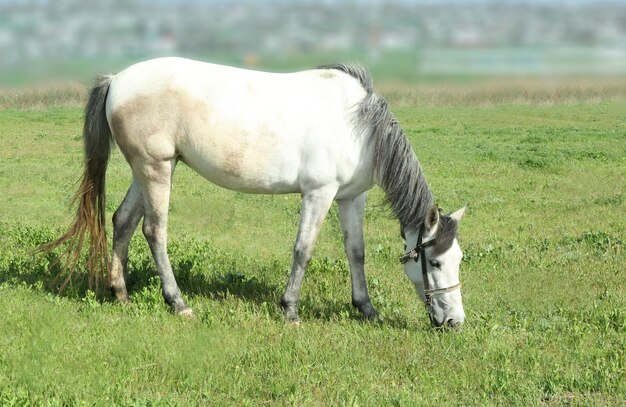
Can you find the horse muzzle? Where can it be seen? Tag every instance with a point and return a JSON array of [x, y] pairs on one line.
[[453, 323]]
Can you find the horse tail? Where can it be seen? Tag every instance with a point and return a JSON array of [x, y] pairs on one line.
[[90, 196]]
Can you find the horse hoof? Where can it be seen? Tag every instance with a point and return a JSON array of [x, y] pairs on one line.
[[185, 312], [374, 318], [293, 322], [292, 319], [123, 299], [368, 312], [121, 295]]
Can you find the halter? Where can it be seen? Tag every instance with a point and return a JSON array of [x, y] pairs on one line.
[[417, 252]]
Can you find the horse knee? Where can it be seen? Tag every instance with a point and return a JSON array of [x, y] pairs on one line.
[[357, 254], [302, 255], [150, 232], [122, 223]]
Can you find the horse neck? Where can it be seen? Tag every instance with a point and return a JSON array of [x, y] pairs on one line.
[[399, 174]]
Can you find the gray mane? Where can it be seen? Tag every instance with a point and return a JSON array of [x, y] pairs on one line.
[[358, 72], [395, 164]]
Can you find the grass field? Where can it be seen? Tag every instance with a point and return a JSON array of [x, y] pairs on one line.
[[543, 169]]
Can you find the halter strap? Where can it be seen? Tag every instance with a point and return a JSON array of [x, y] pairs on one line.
[[415, 253], [419, 252], [434, 291]]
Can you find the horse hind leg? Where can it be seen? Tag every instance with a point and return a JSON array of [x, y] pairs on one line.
[[125, 221], [156, 179]]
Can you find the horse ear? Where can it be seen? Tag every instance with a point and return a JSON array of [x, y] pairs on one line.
[[432, 218], [458, 214]]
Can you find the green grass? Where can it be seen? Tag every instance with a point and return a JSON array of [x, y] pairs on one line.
[[543, 277]]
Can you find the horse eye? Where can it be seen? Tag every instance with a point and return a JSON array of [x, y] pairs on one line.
[[435, 263]]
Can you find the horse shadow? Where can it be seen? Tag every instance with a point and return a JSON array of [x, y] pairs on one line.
[[224, 284], [227, 284], [43, 272], [331, 311]]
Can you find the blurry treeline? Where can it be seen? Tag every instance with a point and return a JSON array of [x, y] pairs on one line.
[[400, 39]]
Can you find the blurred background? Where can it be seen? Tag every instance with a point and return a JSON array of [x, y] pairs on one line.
[[399, 40]]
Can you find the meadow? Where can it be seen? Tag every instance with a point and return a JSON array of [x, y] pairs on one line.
[[542, 166]]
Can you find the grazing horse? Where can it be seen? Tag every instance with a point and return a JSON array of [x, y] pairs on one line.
[[322, 133]]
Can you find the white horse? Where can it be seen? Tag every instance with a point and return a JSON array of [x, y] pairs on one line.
[[322, 133]]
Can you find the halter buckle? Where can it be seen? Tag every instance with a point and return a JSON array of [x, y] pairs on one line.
[[428, 300], [413, 254]]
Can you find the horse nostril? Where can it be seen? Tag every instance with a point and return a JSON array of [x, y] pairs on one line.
[[454, 323], [446, 323], [434, 323]]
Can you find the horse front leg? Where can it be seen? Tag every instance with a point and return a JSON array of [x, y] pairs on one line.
[[351, 215], [315, 205]]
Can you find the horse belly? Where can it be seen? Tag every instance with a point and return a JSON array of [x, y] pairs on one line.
[[241, 160]]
